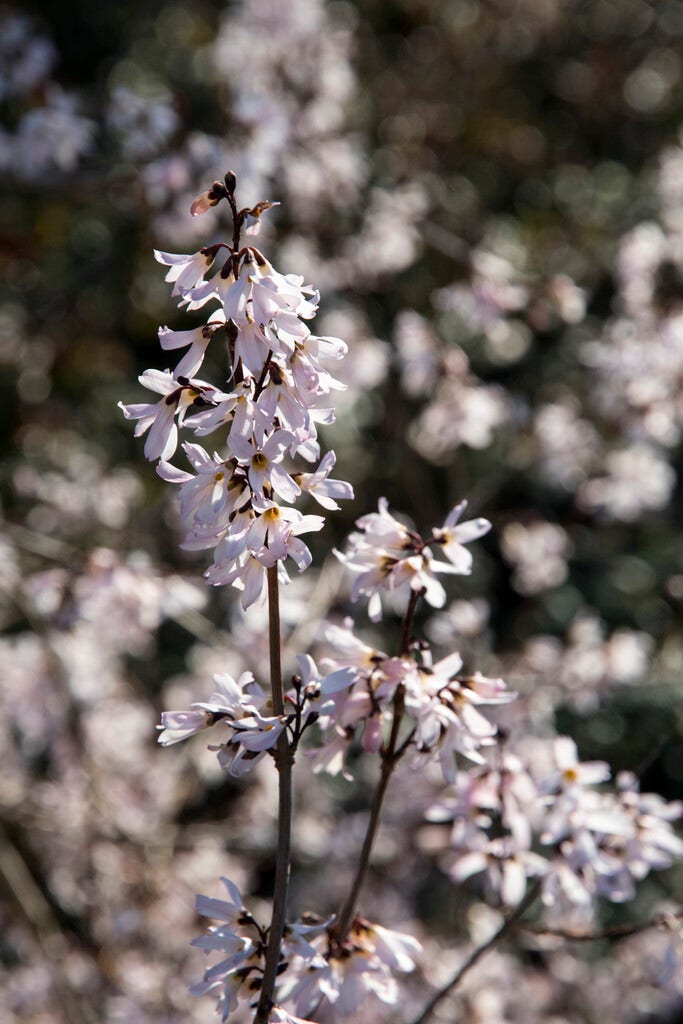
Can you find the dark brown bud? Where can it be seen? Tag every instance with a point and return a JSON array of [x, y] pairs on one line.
[[231, 181], [205, 200]]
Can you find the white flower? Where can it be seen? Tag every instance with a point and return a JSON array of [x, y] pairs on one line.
[[198, 341], [186, 272], [361, 969], [321, 487], [453, 535], [388, 556], [237, 705], [159, 417]]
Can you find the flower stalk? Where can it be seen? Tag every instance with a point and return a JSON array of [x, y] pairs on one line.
[[284, 762], [390, 757]]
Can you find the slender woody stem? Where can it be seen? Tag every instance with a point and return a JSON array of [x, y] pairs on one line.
[[479, 952], [348, 911], [390, 757], [283, 763], [415, 596], [614, 931]]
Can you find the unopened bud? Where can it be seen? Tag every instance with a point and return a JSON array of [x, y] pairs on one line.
[[205, 200], [231, 181]]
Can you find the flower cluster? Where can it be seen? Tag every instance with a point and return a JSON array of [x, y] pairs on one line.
[[352, 972], [598, 842], [389, 556], [314, 967], [274, 393], [442, 702], [245, 710], [236, 978]]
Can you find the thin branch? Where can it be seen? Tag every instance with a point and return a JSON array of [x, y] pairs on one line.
[[347, 913], [511, 919], [614, 931], [283, 763], [390, 758], [415, 596]]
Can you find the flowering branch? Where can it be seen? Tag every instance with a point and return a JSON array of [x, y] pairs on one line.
[[509, 922], [239, 501]]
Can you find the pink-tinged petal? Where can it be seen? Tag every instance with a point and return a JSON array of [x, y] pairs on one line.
[[308, 524], [342, 679], [473, 529], [169, 259], [474, 721], [233, 891], [283, 485], [448, 568], [263, 738], [375, 608], [470, 864], [201, 204], [192, 360], [372, 736], [178, 725], [198, 458], [253, 577], [172, 474], [170, 340], [160, 381], [139, 411], [459, 556], [297, 550], [162, 439], [434, 593], [454, 515], [357, 706], [217, 910], [240, 444], [277, 444], [449, 666]]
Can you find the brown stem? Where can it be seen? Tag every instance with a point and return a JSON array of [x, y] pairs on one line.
[[390, 758], [260, 383], [346, 914], [236, 223], [415, 596], [614, 931], [479, 952], [283, 763]]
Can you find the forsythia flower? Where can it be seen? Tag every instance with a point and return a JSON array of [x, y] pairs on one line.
[[275, 391], [388, 556]]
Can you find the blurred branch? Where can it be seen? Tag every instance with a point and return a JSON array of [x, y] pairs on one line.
[[511, 919], [38, 914], [664, 920]]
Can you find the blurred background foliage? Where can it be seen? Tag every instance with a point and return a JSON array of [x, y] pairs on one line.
[[488, 194]]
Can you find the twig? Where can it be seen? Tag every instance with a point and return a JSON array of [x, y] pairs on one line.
[[348, 910], [390, 757], [614, 931], [283, 762], [479, 952], [415, 596]]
